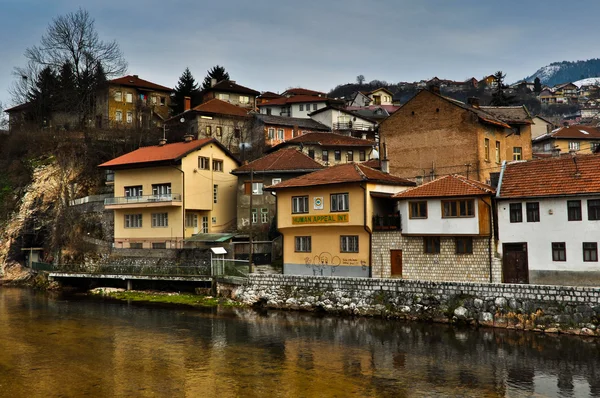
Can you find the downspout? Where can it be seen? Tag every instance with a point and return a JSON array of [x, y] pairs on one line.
[[368, 231], [182, 202], [492, 213]]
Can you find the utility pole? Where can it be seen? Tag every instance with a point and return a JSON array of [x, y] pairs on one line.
[[250, 262]]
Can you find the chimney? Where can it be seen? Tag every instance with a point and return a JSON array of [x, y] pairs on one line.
[[473, 101], [162, 141], [188, 138], [494, 179], [187, 103], [136, 76], [385, 163], [434, 88], [213, 82]]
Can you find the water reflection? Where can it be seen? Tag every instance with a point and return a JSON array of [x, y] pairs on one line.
[[79, 347]]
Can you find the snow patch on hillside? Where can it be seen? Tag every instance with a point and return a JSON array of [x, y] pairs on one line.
[[587, 82]]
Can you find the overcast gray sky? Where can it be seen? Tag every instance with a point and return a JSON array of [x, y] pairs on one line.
[[273, 45]]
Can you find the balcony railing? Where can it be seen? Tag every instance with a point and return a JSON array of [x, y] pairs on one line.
[[124, 200], [388, 222], [352, 126]]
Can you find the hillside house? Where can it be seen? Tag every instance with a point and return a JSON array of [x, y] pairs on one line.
[[574, 138], [231, 92], [345, 122], [278, 129], [540, 126]]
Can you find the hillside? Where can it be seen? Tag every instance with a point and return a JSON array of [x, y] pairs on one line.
[[566, 71]]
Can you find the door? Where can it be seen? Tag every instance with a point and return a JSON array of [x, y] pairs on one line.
[[514, 263], [396, 261]]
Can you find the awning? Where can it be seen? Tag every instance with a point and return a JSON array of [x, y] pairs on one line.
[[209, 238]]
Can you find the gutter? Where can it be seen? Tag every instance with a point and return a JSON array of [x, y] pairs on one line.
[[500, 179]]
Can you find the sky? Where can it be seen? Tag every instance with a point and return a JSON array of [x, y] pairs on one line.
[[318, 44]]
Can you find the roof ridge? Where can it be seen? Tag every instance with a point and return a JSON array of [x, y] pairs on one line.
[[472, 183], [361, 174]]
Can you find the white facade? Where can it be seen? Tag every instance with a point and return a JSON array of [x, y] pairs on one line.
[[553, 226], [335, 119], [301, 110], [435, 224], [540, 127]]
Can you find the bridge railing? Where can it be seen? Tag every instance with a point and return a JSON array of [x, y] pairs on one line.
[[230, 267], [138, 270]]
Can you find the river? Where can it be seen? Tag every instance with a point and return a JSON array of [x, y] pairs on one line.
[[69, 346]]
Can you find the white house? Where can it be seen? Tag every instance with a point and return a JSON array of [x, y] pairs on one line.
[[549, 220], [296, 106], [342, 119]]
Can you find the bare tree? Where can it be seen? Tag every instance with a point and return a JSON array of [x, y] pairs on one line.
[[360, 79]]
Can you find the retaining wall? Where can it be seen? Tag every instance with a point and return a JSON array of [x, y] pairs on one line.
[[533, 307]]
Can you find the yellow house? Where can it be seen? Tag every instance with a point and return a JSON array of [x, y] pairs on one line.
[[326, 218], [576, 138], [169, 192]]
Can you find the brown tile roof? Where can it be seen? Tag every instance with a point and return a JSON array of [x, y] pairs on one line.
[[302, 91], [326, 140], [158, 153], [510, 114], [344, 173], [295, 100], [135, 81], [558, 176], [575, 131], [230, 86], [300, 122], [373, 163], [217, 106], [269, 95], [283, 160], [20, 107], [446, 187]]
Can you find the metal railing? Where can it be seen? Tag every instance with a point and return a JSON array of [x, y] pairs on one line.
[[352, 126], [122, 200], [120, 269], [229, 267], [387, 222]]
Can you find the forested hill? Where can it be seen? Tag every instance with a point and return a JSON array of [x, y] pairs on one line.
[[566, 71]]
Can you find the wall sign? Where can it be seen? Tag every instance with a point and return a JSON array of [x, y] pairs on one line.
[[318, 203], [322, 219]]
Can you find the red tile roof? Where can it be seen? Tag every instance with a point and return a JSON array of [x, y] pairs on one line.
[[158, 153], [326, 140], [302, 91], [295, 99], [558, 176], [230, 86], [446, 187], [285, 160], [217, 106], [575, 131], [135, 81], [344, 173], [269, 95]]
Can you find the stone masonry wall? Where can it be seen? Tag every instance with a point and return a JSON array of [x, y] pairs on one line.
[[446, 266], [529, 307]]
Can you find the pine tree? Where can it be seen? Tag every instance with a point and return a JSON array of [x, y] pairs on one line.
[[499, 97], [186, 87], [218, 73], [537, 85], [43, 96]]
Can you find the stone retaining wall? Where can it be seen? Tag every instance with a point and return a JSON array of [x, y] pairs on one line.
[[531, 307]]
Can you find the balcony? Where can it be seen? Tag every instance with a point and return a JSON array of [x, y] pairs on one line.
[[352, 126], [171, 199], [390, 222]]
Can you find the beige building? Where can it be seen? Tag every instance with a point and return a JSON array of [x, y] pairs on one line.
[[326, 218], [575, 138], [167, 193]]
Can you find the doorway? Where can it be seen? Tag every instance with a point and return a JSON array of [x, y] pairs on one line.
[[515, 268], [396, 263]]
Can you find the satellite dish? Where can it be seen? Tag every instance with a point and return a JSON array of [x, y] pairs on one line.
[[375, 154], [182, 120]]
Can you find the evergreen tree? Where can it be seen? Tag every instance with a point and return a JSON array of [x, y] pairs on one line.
[[537, 85], [217, 72], [42, 96], [499, 96], [186, 87]]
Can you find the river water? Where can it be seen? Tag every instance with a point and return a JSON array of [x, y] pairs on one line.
[[58, 346]]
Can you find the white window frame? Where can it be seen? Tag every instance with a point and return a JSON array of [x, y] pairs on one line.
[[280, 134], [349, 243], [264, 215], [574, 145], [300, 204], [191, 220], [271, 133], [217, 165], [119, 115], [134, 191], [204, 224], [340, 202], [129, 117], [160, 220], [275, 181], [223, 96], [302, 244], [129, 97], [254, 216], [244, 99], [119, 96], [257, 188], [133, 221]]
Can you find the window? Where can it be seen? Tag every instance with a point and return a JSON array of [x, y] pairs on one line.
[[325, 155], [593, 209], [136, 245], [128, 97], [161, 189], [129, 117], [133, 191], [590, 251], [208, 131], [163, 101], [516, 212], [339, 202], [533, 211], [300, 204], [236, 133], [254, 216], [517, 153], [133, 221], [244, 99], [417, 209], [349, 244], [547, 147], [311, 153], [559, 251], [271, 133], [214, 220], [497, 151], [337, 155], [594, 146], [362, 156], [516, 130], [301, 106], [280, 134], [203, 163], [486, 149], [118, 116], [574, 146], [217, 165], [159, 245], [268, 111], [275, 181], [350, 156], [302, 243], [574, 210], [154, 100], [204, 224], [464, 245], [191, 220], [257, 188], [160, 220], [223, 96], [264, 216], [314, 107], [431, 244], [458, 208], [219, 132], [118, 96], [215, 193]]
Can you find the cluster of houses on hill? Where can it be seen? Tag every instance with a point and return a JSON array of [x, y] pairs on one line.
[[435, 189]]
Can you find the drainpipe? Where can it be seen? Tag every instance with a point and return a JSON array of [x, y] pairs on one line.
[[368, 231], [182, 202]]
